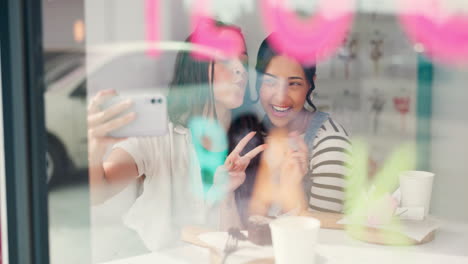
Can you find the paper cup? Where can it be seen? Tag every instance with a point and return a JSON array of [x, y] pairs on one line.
[[416, 189], [294, 239]]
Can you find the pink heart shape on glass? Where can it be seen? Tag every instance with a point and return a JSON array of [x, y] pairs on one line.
[[227, 42], [445, 39], [307, 40]]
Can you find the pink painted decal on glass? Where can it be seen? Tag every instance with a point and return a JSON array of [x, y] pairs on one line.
[[443, 36], [308, 39], [152, 8], [225, 41]]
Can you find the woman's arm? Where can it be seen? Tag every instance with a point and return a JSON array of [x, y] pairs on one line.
[[229, 215], [229, 177], [119, 167], [221, 203], [329, 167], [111, 176], [117, 171]]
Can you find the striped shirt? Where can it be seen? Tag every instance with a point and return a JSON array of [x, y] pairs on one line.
[[328, 167]]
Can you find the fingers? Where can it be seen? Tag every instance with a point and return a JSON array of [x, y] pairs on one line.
[[294, 158], [299, 142], [229, 165], [230, 161], [104, 129], [234, 163], [299, 156], [302, 145], [241, 145], [254, 152], [100, 98], [237, 163], [103, 116], [301, 159], [242, 164]]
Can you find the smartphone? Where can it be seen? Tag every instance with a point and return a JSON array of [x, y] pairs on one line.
[[151, 115]]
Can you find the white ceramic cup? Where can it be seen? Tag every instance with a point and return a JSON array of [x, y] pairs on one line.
[[294, 239], [416, 189]]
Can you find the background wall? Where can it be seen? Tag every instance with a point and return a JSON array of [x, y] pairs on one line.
[[450, 143], [58, 19]]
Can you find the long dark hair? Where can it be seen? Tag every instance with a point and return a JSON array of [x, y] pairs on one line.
[[266, 54], [191, 90], [240, 127]]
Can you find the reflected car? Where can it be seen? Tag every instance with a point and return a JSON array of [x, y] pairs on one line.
[[65, 111], [70, 75]]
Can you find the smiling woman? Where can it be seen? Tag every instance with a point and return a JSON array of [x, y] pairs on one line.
[[284, 88], [321, 147]]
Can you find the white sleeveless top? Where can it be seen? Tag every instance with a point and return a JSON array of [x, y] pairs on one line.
[[172, 195]]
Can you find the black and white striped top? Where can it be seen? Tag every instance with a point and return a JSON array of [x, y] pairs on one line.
[[328, 167]]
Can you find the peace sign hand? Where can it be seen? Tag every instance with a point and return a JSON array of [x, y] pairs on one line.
[[236, 164]]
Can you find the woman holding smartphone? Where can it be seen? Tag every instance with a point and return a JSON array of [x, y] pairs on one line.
[[316, 148], [169, 166]]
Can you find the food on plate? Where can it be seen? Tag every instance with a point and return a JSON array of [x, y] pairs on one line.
[[259, 230]]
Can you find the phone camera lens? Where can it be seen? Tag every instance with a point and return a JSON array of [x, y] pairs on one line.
[[160, 100], [153, 101]]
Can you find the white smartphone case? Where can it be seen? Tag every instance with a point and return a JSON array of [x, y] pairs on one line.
[[151, 116]]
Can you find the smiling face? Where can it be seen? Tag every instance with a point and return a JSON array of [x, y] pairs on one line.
[[230, 81], [283, 90]]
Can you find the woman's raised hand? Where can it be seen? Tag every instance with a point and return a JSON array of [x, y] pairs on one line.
[[236, 164], [295, 163], [101, 122]]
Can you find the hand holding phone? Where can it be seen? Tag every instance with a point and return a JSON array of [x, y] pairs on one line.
[[101, 122], [150, 119]]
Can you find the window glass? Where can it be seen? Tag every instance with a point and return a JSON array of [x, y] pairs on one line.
[[170, 120], [3, 222]]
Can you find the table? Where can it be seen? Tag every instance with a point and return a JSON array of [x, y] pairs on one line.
[[450, 246]]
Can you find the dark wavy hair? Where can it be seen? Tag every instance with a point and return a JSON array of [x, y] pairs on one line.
[[240, 127], [266, 53]]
